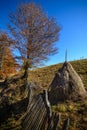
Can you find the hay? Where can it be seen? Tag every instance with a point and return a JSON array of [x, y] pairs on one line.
[[66, 85]]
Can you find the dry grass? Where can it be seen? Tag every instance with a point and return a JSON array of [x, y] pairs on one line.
[[43, 77]]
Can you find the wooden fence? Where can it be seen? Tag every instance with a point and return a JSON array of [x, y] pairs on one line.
[[39, 115]]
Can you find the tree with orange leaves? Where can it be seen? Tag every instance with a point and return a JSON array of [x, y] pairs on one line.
[[7, 61]]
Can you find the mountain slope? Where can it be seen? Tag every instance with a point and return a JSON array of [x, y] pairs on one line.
[[44, 76], [11, 112]]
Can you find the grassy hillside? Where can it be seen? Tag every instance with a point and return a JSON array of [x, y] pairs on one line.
[[17, 103], [76, 111], [45, 75]]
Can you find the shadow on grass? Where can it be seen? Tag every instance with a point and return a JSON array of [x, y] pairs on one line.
[[13, 110]]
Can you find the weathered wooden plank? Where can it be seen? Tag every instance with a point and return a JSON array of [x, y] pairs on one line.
[[66, 124]]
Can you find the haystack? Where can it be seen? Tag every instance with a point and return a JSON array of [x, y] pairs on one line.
[[66, 85]]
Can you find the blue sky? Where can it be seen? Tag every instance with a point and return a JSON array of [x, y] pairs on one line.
[[71, 15]]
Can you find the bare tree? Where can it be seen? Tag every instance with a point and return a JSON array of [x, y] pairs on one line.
[[34, 34]]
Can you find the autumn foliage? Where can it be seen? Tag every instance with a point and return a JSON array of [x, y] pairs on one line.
[[32, 35], [7, 62]]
